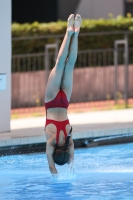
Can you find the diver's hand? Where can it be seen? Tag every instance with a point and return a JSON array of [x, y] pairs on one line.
[[54, 175]]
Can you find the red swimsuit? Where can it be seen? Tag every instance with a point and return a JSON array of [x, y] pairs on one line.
[[59, 101]]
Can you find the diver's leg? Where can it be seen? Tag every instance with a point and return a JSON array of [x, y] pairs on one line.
[[54, 81], [67, 80]]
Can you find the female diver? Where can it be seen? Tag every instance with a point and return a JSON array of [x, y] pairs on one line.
[[60, 146]]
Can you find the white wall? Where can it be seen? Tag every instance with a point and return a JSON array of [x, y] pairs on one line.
[[100, 8], [5, 64]]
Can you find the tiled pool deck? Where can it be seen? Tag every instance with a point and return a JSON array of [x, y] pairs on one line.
[[97, 124]]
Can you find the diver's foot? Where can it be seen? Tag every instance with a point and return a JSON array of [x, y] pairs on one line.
[[77, 23], [70, 24]]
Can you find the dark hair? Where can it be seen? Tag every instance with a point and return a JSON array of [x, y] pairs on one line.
[[61, 154]]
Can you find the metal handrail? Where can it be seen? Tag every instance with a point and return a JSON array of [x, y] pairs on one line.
[[62, 35], [51, 53]]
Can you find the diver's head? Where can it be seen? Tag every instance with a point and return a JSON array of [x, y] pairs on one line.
[[60, 155]]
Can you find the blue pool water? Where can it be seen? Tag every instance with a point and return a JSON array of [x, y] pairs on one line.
[[99, 173]]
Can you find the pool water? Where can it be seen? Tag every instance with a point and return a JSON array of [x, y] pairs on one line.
[[99, 173]]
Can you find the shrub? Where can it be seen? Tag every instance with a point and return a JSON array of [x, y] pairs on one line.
[[87, 42]]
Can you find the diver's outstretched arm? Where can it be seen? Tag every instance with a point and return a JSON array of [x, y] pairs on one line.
[[49, 152]]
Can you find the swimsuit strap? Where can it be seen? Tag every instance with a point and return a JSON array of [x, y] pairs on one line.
[[61, 127]]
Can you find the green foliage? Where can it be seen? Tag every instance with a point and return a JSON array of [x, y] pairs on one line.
[[87, 42]]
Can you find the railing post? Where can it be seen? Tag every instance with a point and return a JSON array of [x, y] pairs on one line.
[[115, 63], [46, 64], [126, 69], [119, 42], [46, 58]]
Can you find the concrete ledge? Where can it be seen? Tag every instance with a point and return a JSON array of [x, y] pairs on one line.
[[103, 133], [37, 135], [78, 143]]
